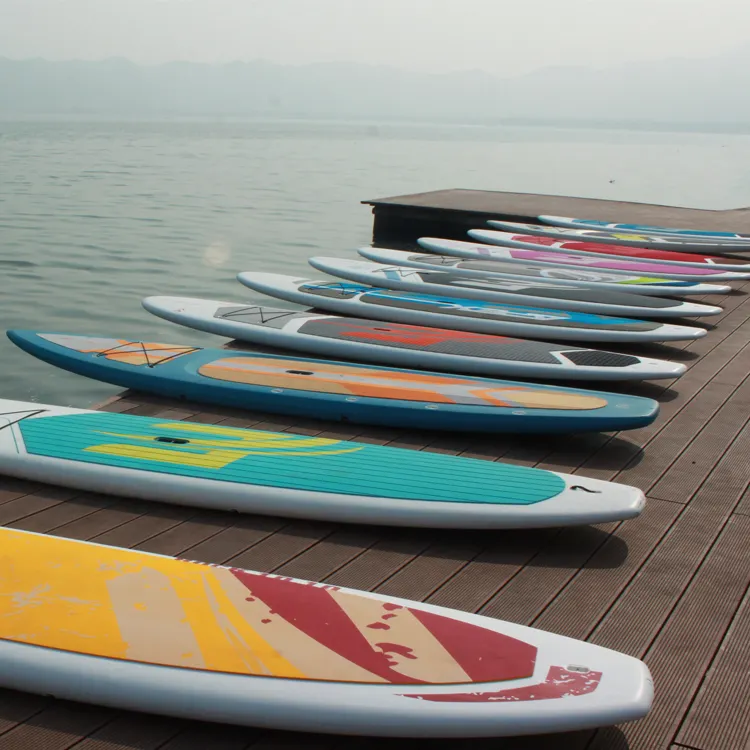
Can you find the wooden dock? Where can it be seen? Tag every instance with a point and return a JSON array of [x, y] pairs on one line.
[[671, 587], [401, 219]]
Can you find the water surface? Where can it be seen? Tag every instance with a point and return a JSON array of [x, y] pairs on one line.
[[95, 216]]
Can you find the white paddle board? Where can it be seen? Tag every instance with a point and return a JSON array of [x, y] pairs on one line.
[[144, 632], [709, 235], [565, 260], [569, 277], [598, 250], [634, 239], [511, 291], [476, 316], [406, 346]]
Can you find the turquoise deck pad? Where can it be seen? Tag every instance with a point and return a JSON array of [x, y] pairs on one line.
[[271, 459]]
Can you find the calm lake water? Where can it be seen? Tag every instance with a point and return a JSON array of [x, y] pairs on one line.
[[95, 216]]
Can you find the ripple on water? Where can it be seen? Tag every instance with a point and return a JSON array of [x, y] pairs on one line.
[[22, 276], [72, 265], [15, 263]]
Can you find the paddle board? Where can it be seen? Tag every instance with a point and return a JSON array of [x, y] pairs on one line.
[[132, 630], [254, 471], [569, 277], [407, 346], [552, 258], [476, 316], [633, 239], [710, 235], [512, 291], [597, 249], [335, 390]]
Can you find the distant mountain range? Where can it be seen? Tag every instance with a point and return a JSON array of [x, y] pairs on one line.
[[711, 92]]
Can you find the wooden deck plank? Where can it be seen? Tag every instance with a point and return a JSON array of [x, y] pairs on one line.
[[527, 206], [630, 627], [537, 584], [719, 718], [743, 507], [108, 517], [647, 464], [440, 562], [688, 401], [479, 579], [12, 489], [697, 460], [700, 373], [567, 741], [157, 518], [288, 741], [380, 561], [17, 708], [58, 727], [594, 588], [123, 733], [120, 405], [74, 509], [523, 450], [285, 544], [574, 452], [25, 505], [148, 409], [331, 553], [205, 737], [680, 654], [189, 533], [240, 535]]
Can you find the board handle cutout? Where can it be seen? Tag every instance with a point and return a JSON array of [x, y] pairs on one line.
[[581, 488]]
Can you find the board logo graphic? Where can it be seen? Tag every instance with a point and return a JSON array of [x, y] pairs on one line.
[[412, 335], [123, 351], [210, 447], [157, 610]]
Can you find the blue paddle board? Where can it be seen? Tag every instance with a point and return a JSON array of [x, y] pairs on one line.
[[346, 392]]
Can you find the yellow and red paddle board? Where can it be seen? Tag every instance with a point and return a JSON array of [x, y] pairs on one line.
[[146, 632]]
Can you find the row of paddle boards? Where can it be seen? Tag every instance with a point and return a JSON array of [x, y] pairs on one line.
[[381, 326], [376, 323], [471, 259], [222, 644]]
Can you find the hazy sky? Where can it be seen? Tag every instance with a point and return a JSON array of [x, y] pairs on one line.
[[500, 36]]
